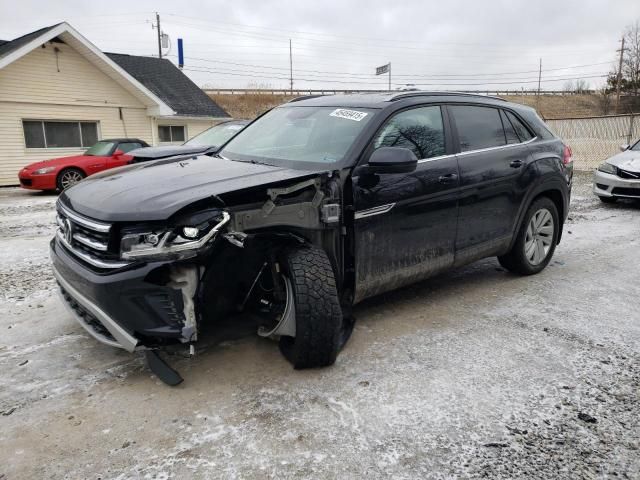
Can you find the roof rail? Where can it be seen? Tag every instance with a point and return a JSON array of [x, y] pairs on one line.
[[305, 97], [401, 95]]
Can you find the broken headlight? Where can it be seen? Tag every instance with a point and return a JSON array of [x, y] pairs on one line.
[[183, 239]]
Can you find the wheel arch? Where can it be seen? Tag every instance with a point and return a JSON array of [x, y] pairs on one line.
[[70, 167], [557, 193]]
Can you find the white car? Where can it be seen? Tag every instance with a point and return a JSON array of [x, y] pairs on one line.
[[619, 176]]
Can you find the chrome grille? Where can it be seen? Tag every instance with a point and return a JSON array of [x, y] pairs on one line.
[[630, 175], [87, 239]]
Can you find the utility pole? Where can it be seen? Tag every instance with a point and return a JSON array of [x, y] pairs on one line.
[[389, 76], [539, 81], [290, 68], [159, 35], [619, 77]]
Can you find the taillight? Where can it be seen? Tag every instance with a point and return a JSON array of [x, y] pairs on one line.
[[567, 155]]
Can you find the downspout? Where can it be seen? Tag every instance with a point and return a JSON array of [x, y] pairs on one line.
[[153, 131]]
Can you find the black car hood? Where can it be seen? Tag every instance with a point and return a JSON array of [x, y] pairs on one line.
[[156, 190], [150, 153]]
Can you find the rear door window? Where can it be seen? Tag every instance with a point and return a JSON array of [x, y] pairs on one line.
[[419, 129], [478, 127]]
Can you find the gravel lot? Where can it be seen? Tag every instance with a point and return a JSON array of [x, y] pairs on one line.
[[476, 373]]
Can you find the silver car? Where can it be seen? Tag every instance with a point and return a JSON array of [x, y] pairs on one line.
[[619, 176]]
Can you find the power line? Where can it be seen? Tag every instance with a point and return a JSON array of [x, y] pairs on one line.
[[339, 47], [328, 80], [334, 35], [471, 75]]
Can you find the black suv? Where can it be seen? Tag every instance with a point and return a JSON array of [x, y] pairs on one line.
[[313, 207]]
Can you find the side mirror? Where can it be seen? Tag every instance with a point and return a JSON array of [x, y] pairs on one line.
[[118, 153], [392, 160], [624, 147]]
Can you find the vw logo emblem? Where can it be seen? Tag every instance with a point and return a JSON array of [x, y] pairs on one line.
[[68, 234]]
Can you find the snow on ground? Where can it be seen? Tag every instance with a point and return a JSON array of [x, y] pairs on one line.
[[475, 373]]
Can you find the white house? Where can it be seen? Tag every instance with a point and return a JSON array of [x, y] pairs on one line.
[[59, 94]]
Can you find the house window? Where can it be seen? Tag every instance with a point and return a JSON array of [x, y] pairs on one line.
[[171, 133], [59, 134]]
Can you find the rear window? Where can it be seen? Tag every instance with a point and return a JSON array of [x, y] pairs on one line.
[[478, 127]]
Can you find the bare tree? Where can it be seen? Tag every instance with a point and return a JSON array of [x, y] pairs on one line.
[[568, 86], [581, 86], [631, 58], [604, 101]]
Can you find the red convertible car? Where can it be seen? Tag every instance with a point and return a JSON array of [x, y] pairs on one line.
[[61, 173]]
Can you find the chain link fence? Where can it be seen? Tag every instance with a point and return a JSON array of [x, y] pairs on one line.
[[595, 139]]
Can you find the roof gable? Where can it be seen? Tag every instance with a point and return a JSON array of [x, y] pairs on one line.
[[8, 46], [161, 86]]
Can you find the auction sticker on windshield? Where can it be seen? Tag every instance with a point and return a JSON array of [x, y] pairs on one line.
[[348, 114]]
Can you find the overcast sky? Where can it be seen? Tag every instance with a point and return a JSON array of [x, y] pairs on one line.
[[451, 44]]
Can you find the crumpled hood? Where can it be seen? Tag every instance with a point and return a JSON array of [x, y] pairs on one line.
[[628, 160], [54, 162], [170, 151], [155, 190]]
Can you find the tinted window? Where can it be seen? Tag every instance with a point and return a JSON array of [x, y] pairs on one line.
[[418, 129], [509, 132], [128, 146], [520, 129], [478, 127]]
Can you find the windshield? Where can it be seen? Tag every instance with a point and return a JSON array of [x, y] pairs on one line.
[[216, 135], [636, 147], [299, 134], [100, 149]]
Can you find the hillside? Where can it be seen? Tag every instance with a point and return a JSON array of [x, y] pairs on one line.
[[549, 106]]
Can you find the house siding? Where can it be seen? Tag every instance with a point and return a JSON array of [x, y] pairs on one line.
[[33, 88]]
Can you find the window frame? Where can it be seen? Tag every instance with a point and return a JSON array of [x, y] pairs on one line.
[[171, 140], [42, 122], [456, 138], [446, 125]]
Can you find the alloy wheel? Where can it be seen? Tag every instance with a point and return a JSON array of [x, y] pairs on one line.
[[539, 237], [70, 178]]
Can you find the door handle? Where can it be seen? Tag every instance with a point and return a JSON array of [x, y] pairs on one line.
[[516, 163], [448, 179]]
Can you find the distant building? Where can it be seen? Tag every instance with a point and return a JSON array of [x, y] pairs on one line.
[[59, 94]]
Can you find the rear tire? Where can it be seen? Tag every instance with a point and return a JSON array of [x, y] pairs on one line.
[[68, 178], [608, 199], [536, 240], [320, 333]]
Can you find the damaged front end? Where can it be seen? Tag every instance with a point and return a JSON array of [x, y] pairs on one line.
[[148, 285]]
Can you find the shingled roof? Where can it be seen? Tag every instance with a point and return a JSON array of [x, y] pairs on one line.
[[167, 81], [8, 46]]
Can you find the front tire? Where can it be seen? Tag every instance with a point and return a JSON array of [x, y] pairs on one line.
[[319, 324], [68, 178], [536, 240]]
